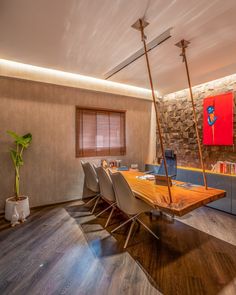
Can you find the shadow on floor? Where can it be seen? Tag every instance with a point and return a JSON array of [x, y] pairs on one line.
[[183, 261]]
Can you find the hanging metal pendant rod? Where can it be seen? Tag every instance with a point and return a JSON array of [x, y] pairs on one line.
[[183, 44], [140, 25]]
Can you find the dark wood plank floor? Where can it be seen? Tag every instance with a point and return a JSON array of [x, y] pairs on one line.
[[64, 249]]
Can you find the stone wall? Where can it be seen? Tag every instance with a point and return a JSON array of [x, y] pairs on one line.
[[178, 128]]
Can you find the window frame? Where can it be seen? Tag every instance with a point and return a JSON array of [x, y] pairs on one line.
[[78, 135]]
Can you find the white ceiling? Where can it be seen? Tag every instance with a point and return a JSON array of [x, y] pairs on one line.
[[91, 37]]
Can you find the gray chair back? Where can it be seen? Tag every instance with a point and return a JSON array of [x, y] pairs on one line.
[[106, 187], [125, 199], [91, 179]]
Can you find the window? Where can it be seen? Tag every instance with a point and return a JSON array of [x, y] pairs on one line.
[[100, 132]]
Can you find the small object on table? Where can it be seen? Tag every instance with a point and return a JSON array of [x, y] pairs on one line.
[[111, 164], [104, 164], [162, 180], [149, 172], [146, 177], [134, 167], [118, 163], [123, 168], [186, 185]]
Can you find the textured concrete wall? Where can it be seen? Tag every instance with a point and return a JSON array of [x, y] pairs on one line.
[[51, 172], [178, 128]]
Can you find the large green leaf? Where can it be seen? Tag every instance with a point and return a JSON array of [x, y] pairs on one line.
[[24, 141], [27, 138], [19, 160], [16, 158], [13, 135]]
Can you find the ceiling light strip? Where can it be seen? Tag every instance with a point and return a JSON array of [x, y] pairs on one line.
[[34, 73]]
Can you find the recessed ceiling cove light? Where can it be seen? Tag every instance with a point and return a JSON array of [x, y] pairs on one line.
[[35, 73]]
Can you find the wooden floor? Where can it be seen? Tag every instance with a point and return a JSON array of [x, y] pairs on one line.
[[65, 250]]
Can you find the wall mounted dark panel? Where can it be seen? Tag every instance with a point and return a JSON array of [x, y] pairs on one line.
[[234, 196], [221, 182]]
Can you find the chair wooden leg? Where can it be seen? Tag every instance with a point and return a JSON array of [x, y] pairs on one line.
[[129, 234], [95, 205], [108, 219]]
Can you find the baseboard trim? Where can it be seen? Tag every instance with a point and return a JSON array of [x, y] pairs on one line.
[[55, 204], [2, 213]]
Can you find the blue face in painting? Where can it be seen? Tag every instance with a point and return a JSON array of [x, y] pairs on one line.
[[210, 109], [211, 119]]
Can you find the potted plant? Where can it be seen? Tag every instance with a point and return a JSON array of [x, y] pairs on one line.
[[17, 207]]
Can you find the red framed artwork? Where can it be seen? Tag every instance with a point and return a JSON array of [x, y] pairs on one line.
[[218, 119]]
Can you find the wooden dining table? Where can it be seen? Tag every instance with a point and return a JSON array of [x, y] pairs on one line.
[[185, 197]]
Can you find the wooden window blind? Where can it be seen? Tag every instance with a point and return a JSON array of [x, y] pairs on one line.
[[100, 132]]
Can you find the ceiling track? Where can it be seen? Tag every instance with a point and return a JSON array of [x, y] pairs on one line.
[[138, 54]]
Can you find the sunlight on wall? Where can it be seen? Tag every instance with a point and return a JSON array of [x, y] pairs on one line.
[[214, 84]]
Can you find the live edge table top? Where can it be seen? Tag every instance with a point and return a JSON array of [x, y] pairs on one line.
[[184, 200]]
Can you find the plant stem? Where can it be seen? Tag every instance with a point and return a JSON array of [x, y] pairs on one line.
[[21, 151], [17, 183]]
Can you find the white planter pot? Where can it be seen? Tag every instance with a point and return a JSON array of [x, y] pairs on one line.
[[22, 207]]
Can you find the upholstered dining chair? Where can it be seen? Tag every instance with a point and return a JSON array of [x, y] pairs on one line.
[[91, 182], [129, 204], [106, 191]]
